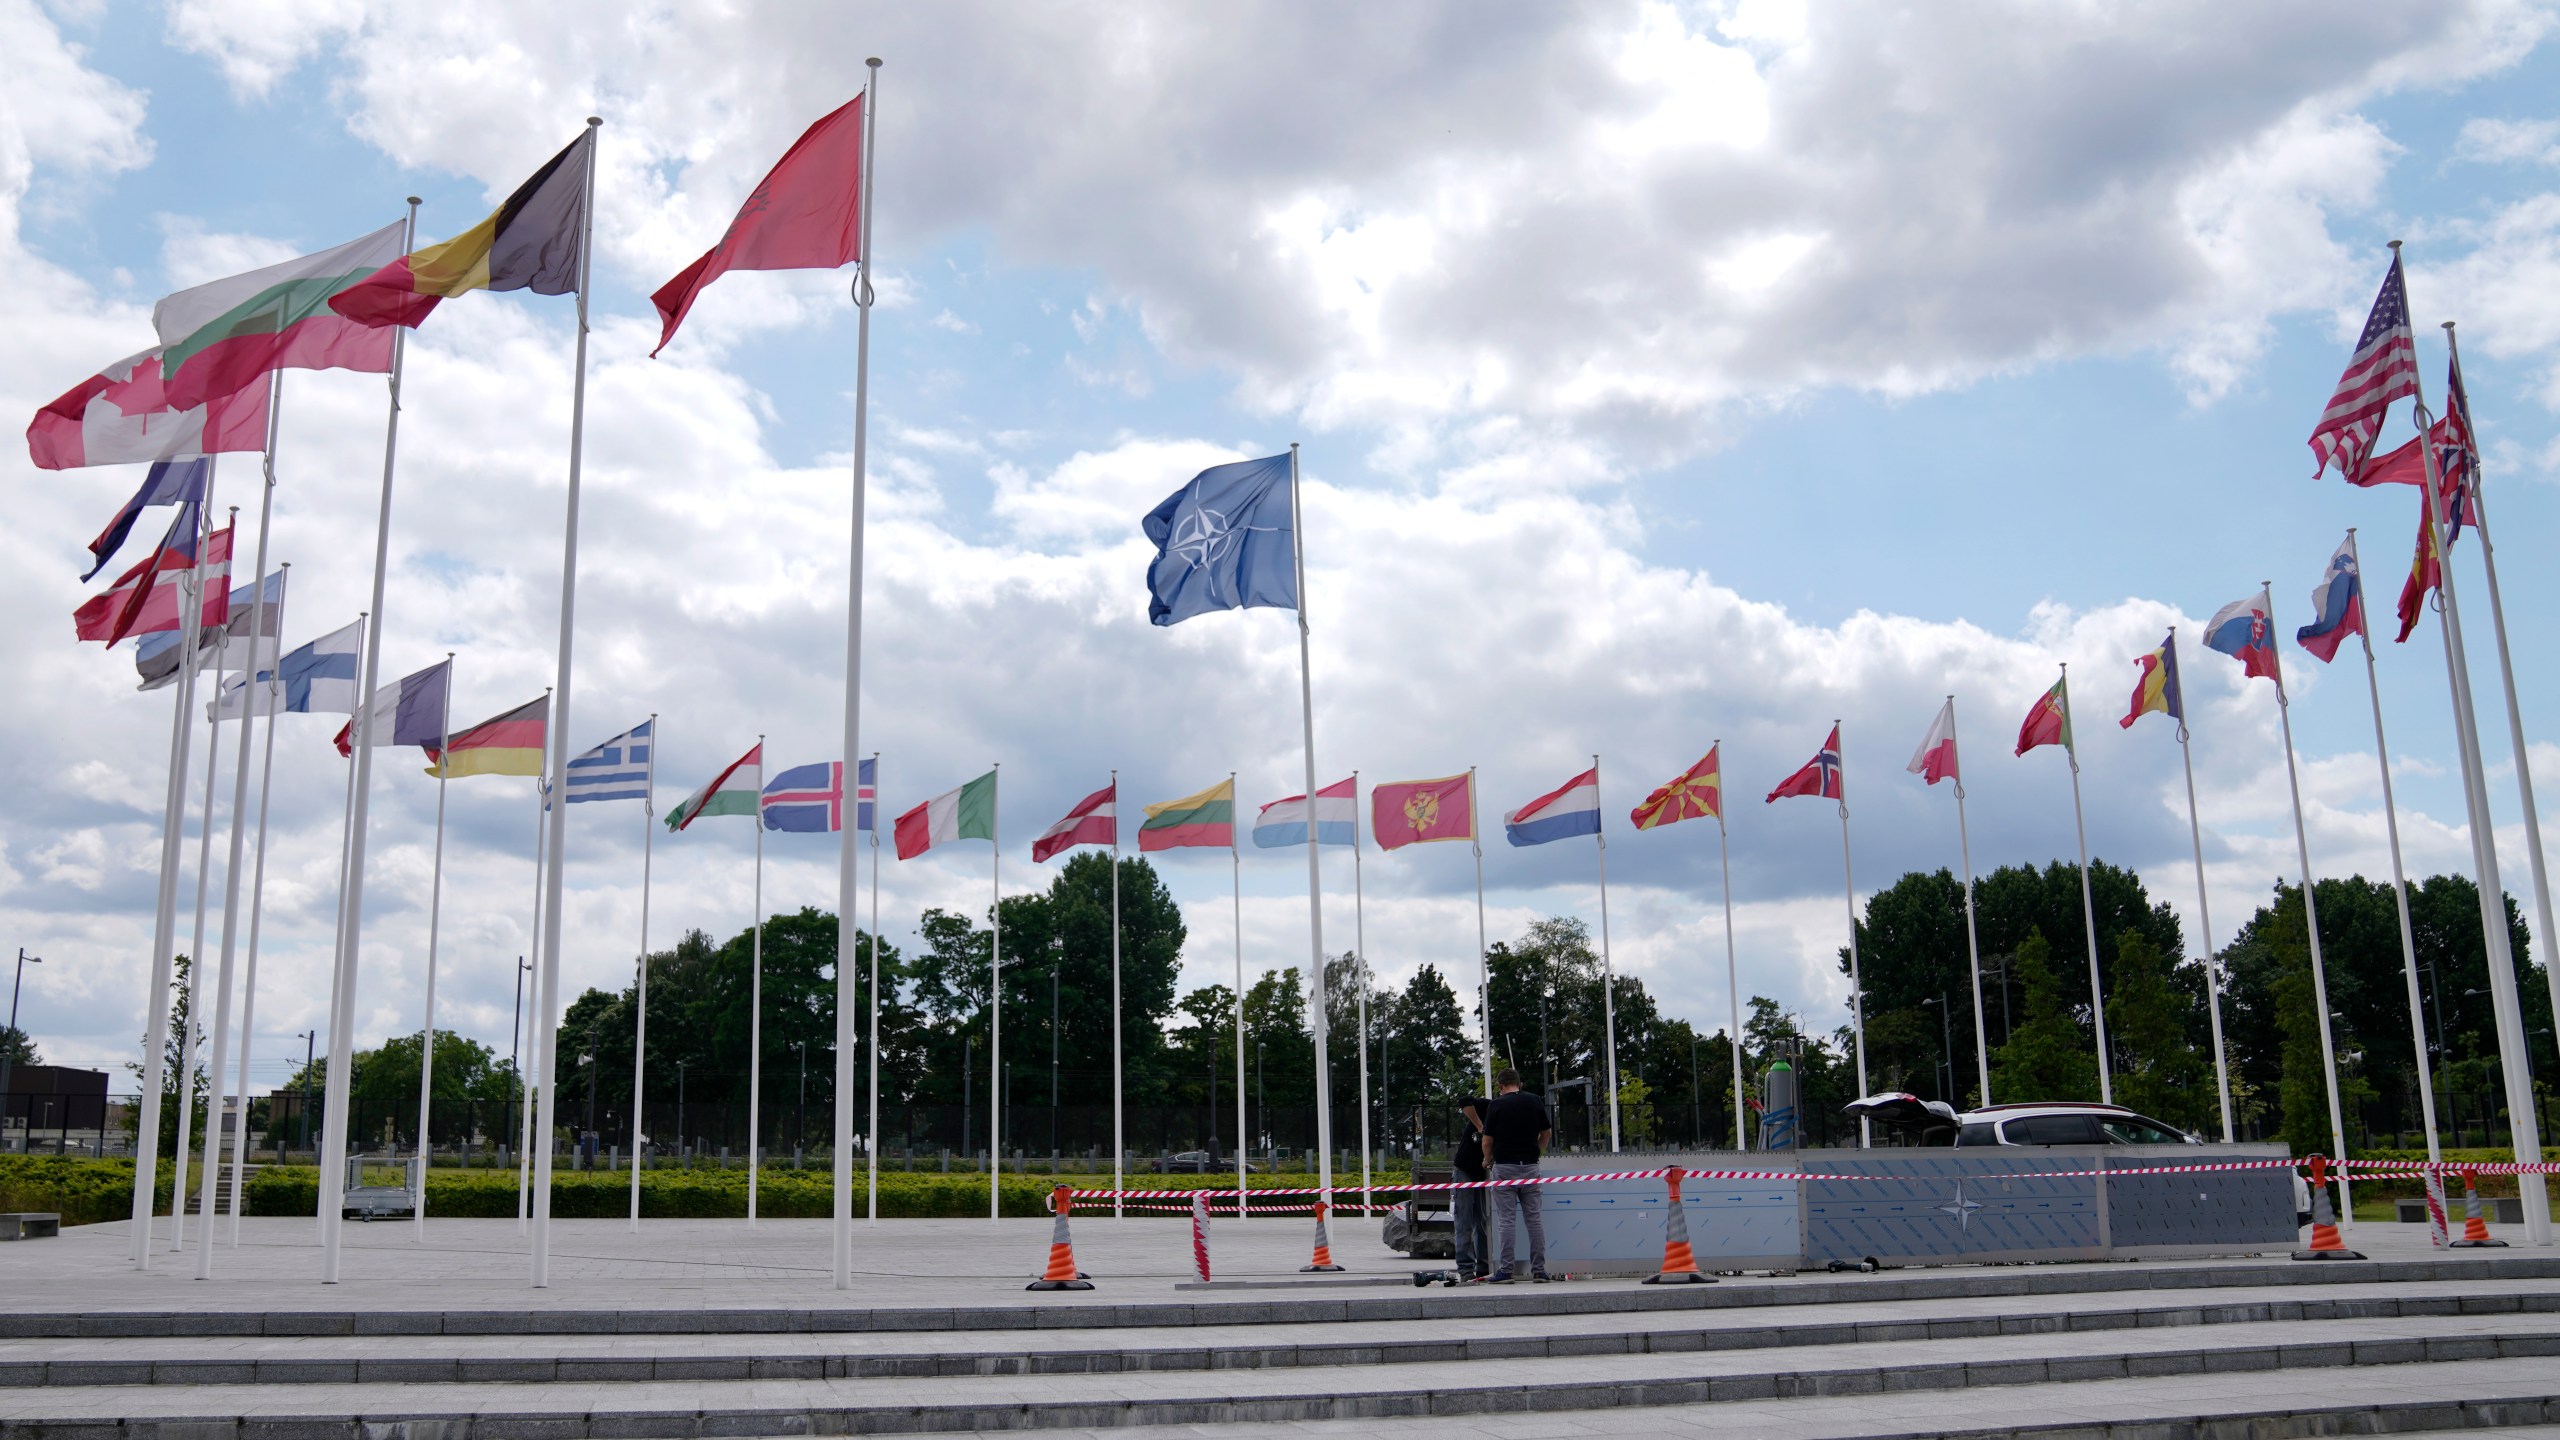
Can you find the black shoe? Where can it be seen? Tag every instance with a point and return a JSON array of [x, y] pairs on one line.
[[1540, 1275], [1498, 1277]]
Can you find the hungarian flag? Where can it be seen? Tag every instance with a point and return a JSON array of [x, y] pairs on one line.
[[738, 790], [1093, 821], [122, 416], [532, 242], [509, 744], [1206, 819], [145, 598], [968, 813], [2049, 721], [2424, 575], [1936, 757], [1821, 775], [1417, 812], [805, 216], [220, 338], [1696, 792]]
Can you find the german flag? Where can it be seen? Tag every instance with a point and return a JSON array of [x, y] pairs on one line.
[[532, 242], [509, 744]]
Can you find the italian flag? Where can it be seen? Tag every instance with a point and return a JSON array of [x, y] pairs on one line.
[[1205, 819], [733, 791], [968, 813], [223, 337]]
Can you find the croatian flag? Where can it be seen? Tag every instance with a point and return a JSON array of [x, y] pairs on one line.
[[2338, 602], [1284, 822], [807, 799], [1571, 809], [2242, 631]]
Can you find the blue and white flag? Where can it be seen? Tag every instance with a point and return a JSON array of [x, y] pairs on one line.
[[1226, 541], [618, 769], [318, 678], [1572, 808], [1284, 822], [2338, 604], [808, 799], [155, 656]]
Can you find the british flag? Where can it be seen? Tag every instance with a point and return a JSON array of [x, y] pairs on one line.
[[1820, 775], [2384, 368]]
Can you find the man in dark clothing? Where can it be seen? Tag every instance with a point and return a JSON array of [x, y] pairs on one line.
[[1467, 1208], [1517, 1129]]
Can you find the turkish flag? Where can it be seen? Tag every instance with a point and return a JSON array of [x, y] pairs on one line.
[[805, 216]]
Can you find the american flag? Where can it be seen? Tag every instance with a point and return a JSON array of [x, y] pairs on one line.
[[2384, 368]]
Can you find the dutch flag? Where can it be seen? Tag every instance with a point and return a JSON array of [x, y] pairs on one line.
[[1571, 809]]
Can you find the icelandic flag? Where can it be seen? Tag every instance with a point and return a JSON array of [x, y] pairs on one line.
[[2338, 602], [808, 799], [618, 769], [1284, 822], [2242, 630], [1571, 809], [1226, 541], [170, 482], [867, 797]]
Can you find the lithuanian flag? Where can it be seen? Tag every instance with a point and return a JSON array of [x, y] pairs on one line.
[[509, 744], [1206, 819], [532, 242]]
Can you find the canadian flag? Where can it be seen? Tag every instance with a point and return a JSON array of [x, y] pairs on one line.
[[1936, 757]]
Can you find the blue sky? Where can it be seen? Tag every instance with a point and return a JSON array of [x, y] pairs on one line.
[[1661, 378]]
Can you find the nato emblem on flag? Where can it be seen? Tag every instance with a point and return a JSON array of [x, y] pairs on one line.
[[808, 799], [1226, 541]]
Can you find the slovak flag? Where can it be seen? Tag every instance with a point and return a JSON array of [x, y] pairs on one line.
[[2337, 603], [2243, 631], [1820, 775], [1570, 809], [1936, 757]]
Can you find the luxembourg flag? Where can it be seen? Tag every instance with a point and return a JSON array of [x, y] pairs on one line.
[[2338, 602], [2241, 630], [1284, 822], [1571, 809]]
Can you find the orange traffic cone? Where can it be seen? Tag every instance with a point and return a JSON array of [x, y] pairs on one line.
[[1679, 1266], [1062, 1273], [1324, 1247], [2325, 1244], [2475, 1230]]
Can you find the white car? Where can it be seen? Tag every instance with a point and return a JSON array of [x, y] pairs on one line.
[[2073, 1122]]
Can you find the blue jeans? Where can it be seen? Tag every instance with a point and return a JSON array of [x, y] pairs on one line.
[[1467, 1216], [1518, 1208]]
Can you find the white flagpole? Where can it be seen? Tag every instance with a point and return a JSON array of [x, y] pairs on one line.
[[1360, 942], [164, 933], [995, 993], [2515, 1064], [257, 889], [2399, 876], [342, 982], [2310, 918], [1119, 1138], [1323, 995], [755, 1006], [1608, 972], [191, 1034], [1732, 969], [532, 1043], [435, 916], [1972, 937], [2507, 673], [847, 878], [2204, 911], [1484, 971], [1235, 864], [1857, 985], [2088, 906], [346, 856], [640, 1038]]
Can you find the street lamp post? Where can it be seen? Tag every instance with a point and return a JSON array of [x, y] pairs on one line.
[[515, 1043], [1697, 1102], [9, 1056], [1261, 1099], [800, 1121], [310, 1042], [1946, 1047], [683, 1145]]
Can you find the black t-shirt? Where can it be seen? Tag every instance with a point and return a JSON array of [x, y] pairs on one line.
[[1515, 1122], [1468, 1156]]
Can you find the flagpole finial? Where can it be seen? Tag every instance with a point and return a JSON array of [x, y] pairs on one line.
[[593, 121], [414, 201], [2448, 327], [873, 62], [2395, 247]]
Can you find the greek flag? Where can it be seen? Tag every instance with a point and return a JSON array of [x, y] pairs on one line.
[[618, 769]]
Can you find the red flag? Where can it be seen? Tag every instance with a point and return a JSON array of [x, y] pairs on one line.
[[1414, 812], [805, 216], [1936, 757], [2049, 723], [1820, 776], [144, 599], [2423, 576], [1094, 821]]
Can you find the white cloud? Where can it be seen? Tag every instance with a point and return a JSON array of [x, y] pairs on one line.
[[2488, 141]]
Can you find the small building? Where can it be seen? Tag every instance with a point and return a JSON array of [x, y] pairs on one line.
[[53, 1109]]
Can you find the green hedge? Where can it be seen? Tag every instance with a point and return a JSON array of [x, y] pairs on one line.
[[82, 1192], [2395, 1188]]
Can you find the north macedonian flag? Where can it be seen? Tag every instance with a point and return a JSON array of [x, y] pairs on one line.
[[1696, 792], [1206, 819], [532, 242], [509, 744]]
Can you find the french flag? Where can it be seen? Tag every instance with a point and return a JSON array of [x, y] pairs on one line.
[[1571, 809], [2338, 602], [2241, 631], [1284, 822]]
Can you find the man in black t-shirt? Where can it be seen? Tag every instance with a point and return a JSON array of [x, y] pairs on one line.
[[1467, 1209], [1517, 1129]]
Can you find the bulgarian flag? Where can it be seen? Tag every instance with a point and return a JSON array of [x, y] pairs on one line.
[[1207, 819], [2049, 722], [733, 791], [968, 813], [509, 744], [223, 337], [532, 242]]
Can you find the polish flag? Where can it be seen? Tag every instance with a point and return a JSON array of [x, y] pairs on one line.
[[1936, 757]]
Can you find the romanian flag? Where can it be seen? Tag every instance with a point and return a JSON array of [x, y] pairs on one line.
[[509, 744], [2157, 688], [532, 242], [1206, 819], [2049, 722], [1697, 792]]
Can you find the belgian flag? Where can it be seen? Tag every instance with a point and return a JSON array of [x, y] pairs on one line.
[[532, 242]]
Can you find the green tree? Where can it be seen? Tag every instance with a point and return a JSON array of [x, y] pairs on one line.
[[383, 1084], [2301, 1087], [2157, 1072], [1637, 1124], [175, 1073], [2046, 1057], [17, 1047]]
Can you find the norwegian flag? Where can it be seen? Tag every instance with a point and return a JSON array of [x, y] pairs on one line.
[[1820, 775], [2384, 368]]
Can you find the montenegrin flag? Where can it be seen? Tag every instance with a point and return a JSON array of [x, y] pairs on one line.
[[532, 242], [1416, 812], [1694, 793], [509, 744], [223, 337], [738, 790], [804, 215], [1205, 819], [968, 813]]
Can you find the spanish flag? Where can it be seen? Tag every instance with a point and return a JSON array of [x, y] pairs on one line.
[[509, 744], [532, 242]]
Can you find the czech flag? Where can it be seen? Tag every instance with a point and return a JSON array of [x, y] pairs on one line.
[[2338, 602]]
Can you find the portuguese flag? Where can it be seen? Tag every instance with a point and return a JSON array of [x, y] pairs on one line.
[[968, 813], [534, 242], [220, 338], [734, 791], [509, 744], [1205, 819]]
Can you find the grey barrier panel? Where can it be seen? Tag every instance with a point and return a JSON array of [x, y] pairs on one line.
[[1615, 1226], [2213, 1212], [1951, 1206]]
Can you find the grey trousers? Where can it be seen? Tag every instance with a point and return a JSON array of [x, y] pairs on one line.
[[1517, 1205], [1466, 1214]]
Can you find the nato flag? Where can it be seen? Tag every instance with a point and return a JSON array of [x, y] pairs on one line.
[[1224, 542]]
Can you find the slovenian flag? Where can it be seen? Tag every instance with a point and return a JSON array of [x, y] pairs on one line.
[[2241, 631], [1571, 809], [1284, 822], [2338, 604]]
